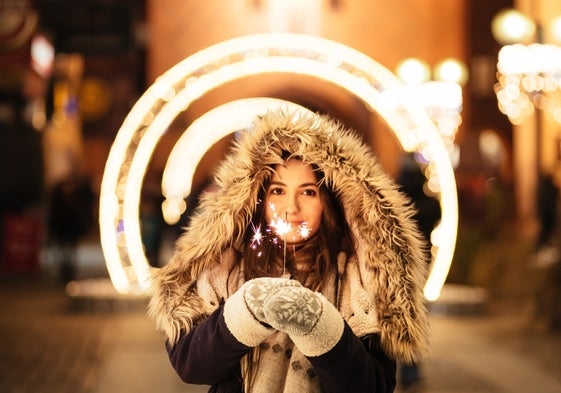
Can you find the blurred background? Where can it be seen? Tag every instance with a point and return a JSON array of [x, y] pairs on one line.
[[70, 71]]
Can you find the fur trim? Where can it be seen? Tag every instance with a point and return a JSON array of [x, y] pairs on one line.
[[390, 259]]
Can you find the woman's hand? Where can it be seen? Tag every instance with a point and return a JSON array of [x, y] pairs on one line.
[[265, 304], [293, 310], [256, 291], [243, 311], [311, 321]]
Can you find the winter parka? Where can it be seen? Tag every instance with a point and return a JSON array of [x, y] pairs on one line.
[[383, 280]]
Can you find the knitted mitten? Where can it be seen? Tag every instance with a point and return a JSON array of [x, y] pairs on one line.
[[258, 289], [311, 321], [243, 311]]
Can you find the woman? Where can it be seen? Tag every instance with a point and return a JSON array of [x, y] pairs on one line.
[[302, 272]]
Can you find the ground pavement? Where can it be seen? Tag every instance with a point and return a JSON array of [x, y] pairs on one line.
[[51, 343]]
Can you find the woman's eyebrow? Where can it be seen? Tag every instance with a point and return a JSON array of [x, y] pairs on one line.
[[279, 183], [310, 184]]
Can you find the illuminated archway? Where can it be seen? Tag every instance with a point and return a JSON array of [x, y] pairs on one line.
[[201, 135], [198, 74]]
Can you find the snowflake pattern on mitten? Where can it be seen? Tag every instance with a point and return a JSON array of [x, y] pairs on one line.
[[259, 289], [294, 310]]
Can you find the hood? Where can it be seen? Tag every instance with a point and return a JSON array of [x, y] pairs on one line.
[[377, 213]]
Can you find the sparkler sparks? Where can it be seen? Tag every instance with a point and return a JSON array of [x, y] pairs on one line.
[[257, 236], [281, 227], [304, 230], [282, 230]]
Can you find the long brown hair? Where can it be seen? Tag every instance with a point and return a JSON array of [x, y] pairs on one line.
[[264, 256]]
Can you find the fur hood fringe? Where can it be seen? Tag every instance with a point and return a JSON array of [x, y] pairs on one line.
[[389, 248]]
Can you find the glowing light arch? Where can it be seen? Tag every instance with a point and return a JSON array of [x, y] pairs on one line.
[[190, 79], [203, 133]]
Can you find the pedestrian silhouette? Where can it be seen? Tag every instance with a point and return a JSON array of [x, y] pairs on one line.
[[547, 209], [70, 218]]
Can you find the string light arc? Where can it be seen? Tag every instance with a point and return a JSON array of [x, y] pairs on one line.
[[192, 78]]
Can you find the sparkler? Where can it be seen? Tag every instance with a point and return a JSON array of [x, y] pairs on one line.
[[281, 227], [304, 230], [257, 236], [284, 247]]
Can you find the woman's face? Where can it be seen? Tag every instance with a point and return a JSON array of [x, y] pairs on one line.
[[292, 204]]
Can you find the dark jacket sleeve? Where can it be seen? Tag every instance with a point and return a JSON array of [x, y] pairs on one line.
[[208, 354], [356, 365]]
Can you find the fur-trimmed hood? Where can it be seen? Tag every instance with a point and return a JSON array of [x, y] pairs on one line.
[[389, 251]]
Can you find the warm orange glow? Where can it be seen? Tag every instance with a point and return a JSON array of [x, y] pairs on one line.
[[307, 55]]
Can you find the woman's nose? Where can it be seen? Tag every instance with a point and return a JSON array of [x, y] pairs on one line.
[[292, 205]]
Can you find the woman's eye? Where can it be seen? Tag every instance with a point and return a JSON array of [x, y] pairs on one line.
[[310, 192], [276, 191]]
